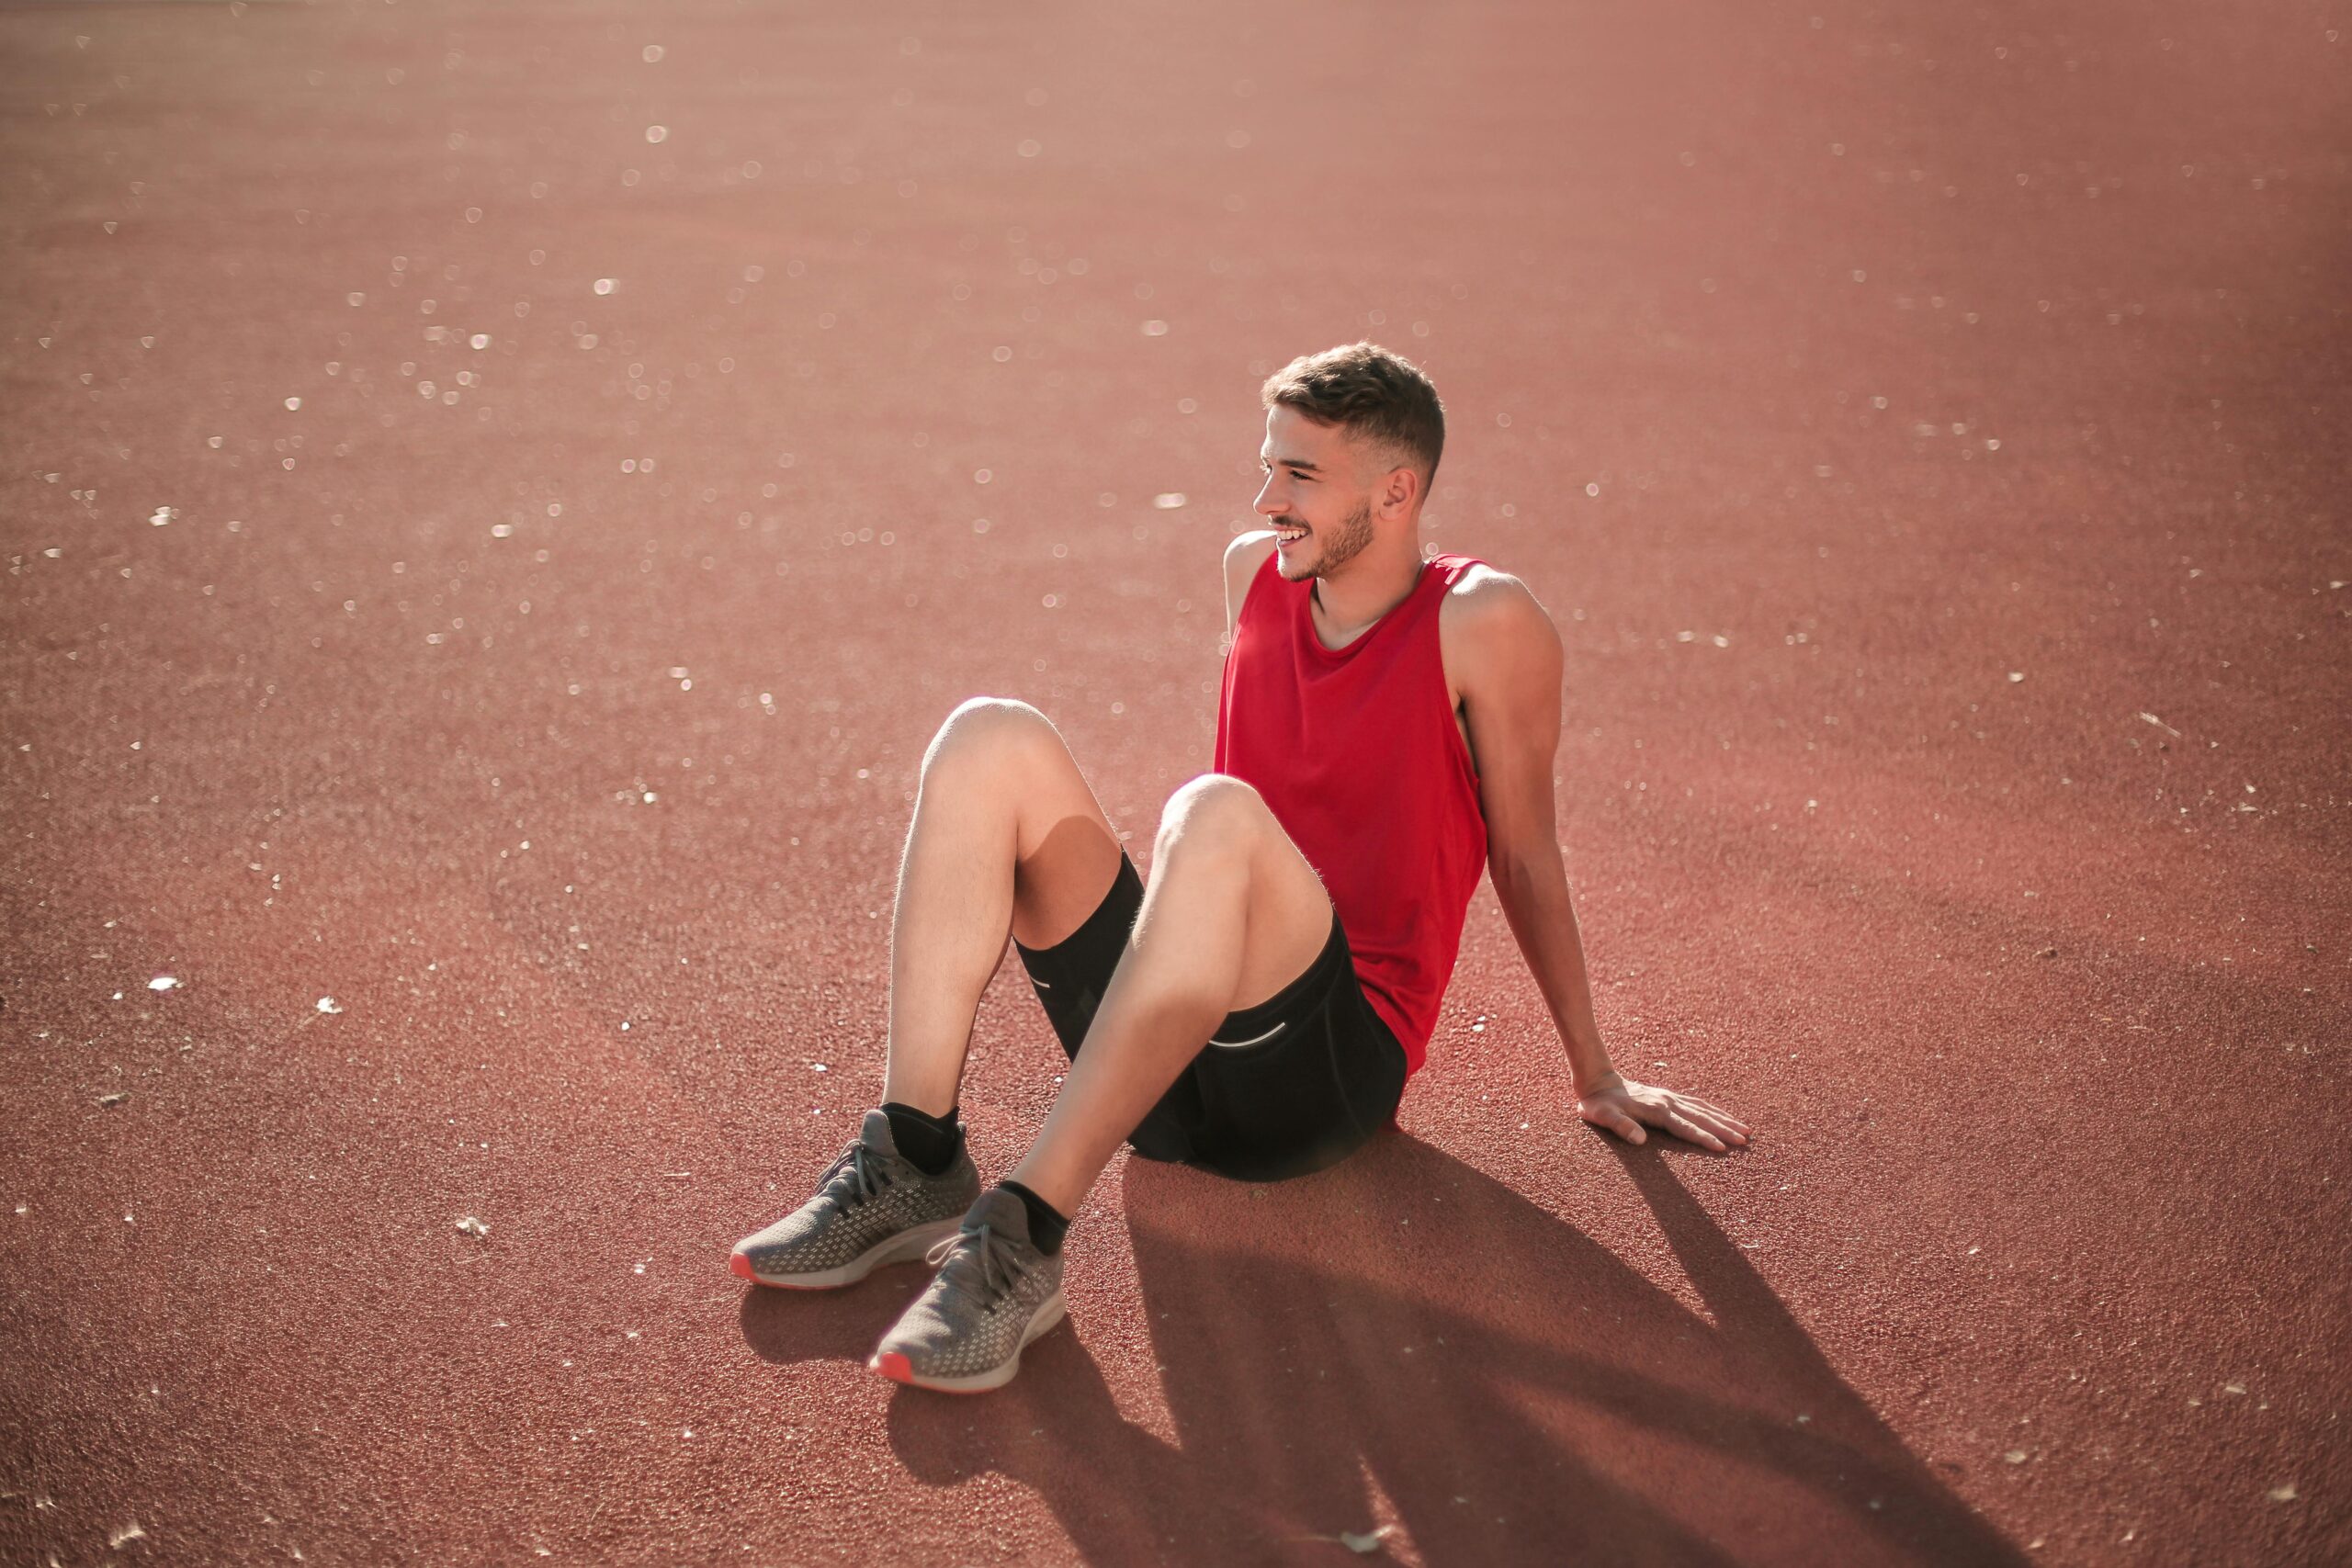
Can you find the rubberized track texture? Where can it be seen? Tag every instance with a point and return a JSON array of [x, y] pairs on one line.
[[499, 497]]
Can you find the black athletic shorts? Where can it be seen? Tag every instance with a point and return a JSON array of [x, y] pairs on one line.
[[1290, 1086]]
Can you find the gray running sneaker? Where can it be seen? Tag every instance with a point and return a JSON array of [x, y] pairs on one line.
[[996, 1293], [873, 1206]]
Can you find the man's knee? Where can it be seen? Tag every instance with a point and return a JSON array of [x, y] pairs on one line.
[[987, 727], [1213, 809]]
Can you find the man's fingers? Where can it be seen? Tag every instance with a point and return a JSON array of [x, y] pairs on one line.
[[1715, 1110], [1682, 1126], [1616, 1121], [1712, 1116], [1722, 1126], [1686, 1116]]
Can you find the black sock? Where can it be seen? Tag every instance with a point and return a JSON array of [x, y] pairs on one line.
[[1047, 1226], [929, 1142]]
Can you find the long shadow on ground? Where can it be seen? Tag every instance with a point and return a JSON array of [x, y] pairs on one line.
[[1403, 1338]]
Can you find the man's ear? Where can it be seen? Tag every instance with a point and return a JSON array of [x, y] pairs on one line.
[[1400, 490]]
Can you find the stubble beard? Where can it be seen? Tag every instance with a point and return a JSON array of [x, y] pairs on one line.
[[1345, 543]]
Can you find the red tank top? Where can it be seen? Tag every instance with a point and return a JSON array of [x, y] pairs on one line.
[[1356, 752]]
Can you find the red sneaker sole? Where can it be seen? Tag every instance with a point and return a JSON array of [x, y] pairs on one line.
[[894, 1366], [740, 1267]]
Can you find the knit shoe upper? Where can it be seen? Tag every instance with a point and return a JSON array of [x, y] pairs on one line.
[[995, 1294], [873, 1206]]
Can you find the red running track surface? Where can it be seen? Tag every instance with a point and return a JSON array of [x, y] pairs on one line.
[[1926, 426]]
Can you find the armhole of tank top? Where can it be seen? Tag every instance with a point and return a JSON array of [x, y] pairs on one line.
[[1450, 579]]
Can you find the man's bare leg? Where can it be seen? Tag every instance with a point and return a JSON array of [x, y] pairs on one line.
[[1007, 840], [1232, 914]]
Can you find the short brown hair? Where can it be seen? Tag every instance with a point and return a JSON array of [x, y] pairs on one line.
[[1375, 396]]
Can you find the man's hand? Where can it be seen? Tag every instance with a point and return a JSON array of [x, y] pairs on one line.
[[1623, 1106]]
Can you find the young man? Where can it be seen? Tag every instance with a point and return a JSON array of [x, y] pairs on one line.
[[1386, 732]]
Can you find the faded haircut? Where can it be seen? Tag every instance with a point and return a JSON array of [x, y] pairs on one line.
[[1377, 397]]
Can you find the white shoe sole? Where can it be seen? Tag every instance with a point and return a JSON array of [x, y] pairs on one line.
[[895, 1366], [903, 1248]]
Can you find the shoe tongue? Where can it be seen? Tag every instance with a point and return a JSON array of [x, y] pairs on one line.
[[1001, 1212], [875, 1133]]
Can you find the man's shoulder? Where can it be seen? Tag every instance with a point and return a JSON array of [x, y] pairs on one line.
[[1243, 556], [1247, 549], [1485, 600], [1489, 626]]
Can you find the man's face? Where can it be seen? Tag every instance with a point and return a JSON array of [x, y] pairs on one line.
[[1315, 482]]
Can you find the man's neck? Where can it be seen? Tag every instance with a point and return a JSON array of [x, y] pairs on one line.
[[1362, 592]]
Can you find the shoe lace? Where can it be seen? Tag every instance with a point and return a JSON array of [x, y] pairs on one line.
[[978, 1250], [858, 1174]]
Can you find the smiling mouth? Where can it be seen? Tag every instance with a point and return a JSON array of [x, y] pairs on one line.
[[1288, 535]]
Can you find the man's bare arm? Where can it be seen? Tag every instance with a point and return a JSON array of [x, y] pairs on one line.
[[1512, 690], [1512, 684]]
